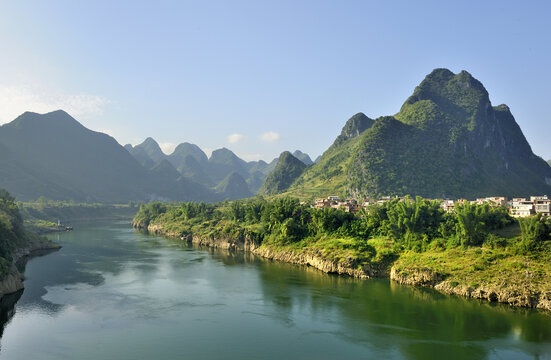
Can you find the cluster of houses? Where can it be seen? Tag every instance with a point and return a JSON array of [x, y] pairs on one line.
[[518, 207]]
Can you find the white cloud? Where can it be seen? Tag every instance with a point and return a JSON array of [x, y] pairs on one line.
[[15, 100], [269, 136], [168, 147], [235, 138]]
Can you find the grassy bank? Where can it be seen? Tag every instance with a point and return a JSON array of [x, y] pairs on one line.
[[478, 247]]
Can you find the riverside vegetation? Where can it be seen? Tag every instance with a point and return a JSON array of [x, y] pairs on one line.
[[478, 251], [16, 243]]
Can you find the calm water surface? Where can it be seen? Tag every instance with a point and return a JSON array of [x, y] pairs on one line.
[[112, 293]]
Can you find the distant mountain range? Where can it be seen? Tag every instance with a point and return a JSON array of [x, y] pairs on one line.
[[447, 141], [54, 156]]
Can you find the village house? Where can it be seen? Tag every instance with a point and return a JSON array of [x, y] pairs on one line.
[[449, 205], [542, 205], [323, 203], [520, 207], [492, 201], [349, 205]]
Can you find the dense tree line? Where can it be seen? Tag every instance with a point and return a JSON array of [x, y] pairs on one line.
[[12, 232], [417, 224]]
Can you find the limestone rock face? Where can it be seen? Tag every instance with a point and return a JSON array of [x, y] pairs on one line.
[[523, 297], [13, 281]]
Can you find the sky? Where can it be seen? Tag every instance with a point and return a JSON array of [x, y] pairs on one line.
[[261, 77]]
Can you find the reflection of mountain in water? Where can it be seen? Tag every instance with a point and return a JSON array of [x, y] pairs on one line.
[[390, 317], [7, 309]]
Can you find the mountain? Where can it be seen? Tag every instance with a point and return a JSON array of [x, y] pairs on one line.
[[177, 158], [152, 149], [140, 154], [305, 158], [192, 169], [234, 187], [317, 160], [287, 169], [356, 125], [255, 180], [260, 166], [223, 162], [549, 162], [54, 156], [193, 164], [447, 140]]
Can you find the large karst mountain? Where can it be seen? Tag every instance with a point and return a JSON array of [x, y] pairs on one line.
[[446, 141]]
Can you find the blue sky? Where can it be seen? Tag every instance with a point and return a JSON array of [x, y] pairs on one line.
[[261, 77]]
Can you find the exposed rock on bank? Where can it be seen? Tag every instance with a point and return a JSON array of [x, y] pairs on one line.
[[524, 297], [13, 281], [309, 258]]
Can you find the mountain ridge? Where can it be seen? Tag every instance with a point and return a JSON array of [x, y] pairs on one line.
[[447, 140]]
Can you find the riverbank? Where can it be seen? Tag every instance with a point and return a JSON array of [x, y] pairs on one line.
[[338, 256], [495, 275], [12, 281]]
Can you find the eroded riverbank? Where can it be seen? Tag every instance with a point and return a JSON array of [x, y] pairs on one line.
[[522, 293]]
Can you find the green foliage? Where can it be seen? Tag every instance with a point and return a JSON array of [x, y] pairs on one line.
[[534, 230], [12, 232], [149, 212], [475, 221], [418, 224]]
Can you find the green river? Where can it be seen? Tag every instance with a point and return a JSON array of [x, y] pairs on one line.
[[113, 293]]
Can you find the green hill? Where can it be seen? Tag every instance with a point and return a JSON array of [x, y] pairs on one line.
[[234, 187], [446, 141], [223, 162], [287, 169]]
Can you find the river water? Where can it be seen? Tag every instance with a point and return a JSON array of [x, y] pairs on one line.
[[113, 293]]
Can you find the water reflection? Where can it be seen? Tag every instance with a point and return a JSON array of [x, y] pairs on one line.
[[7, 309], [205, 302]]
